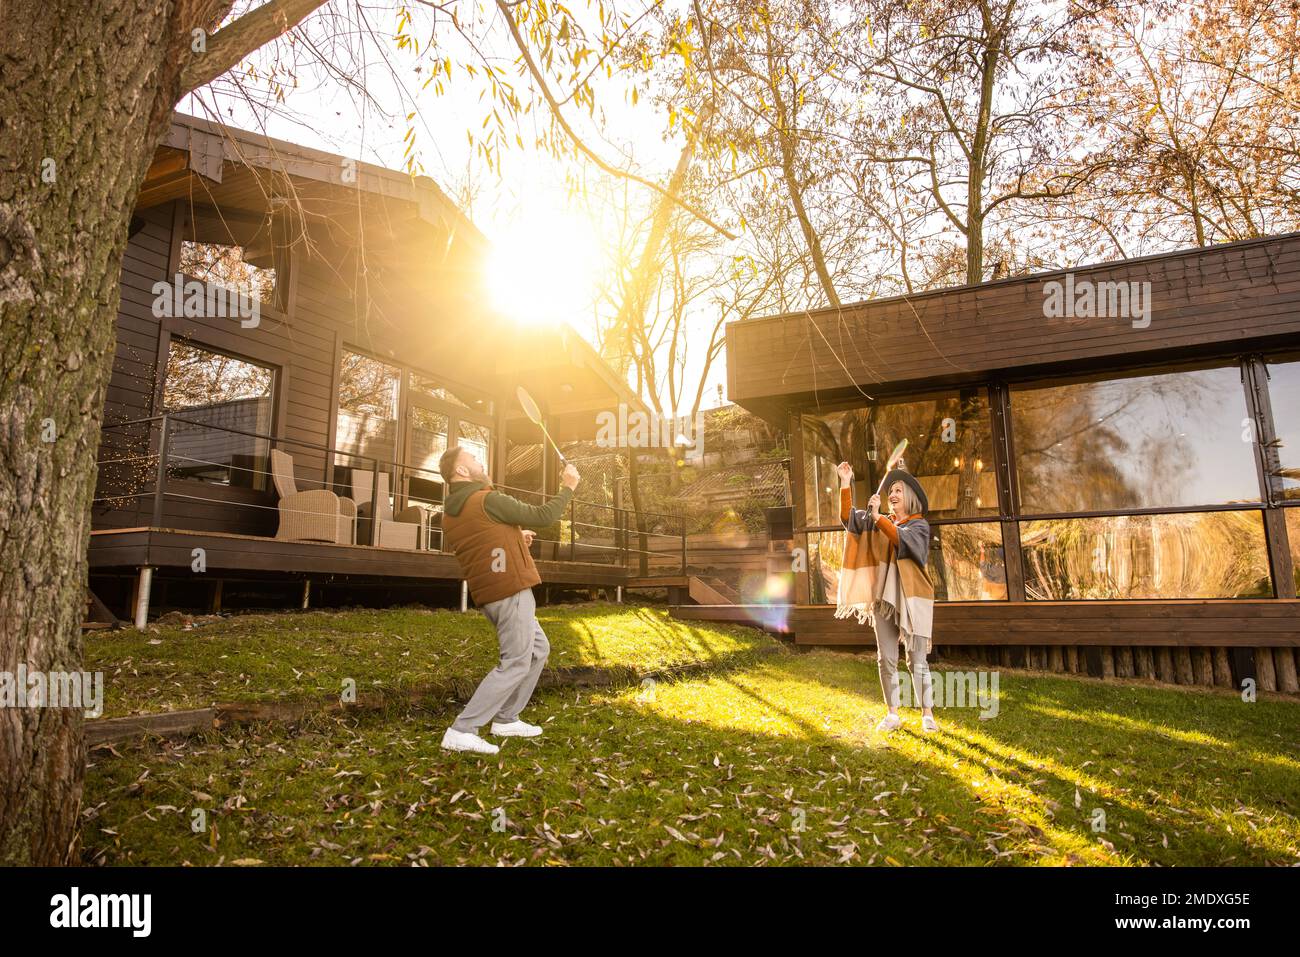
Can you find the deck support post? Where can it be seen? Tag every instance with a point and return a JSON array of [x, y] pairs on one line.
[[217, 587], [1243, 667], [306, 593], [618, 594], [464, 596], [143, 586]]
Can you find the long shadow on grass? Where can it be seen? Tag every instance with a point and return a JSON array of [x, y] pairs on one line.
[[1085, 726], [1008, 746], [612, 775]]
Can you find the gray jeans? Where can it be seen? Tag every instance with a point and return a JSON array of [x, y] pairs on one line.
[[887, 656], [524, 649]]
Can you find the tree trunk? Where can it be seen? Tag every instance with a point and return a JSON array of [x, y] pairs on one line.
[[85, 95], [978, 169]]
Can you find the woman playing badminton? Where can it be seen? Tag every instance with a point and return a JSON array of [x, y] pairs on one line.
[[884, 582]]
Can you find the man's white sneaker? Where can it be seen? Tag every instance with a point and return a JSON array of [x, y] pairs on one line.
[[455, 740], [515, 729], [890, 722]]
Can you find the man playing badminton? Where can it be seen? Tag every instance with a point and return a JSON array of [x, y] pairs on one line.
[[486, 530]]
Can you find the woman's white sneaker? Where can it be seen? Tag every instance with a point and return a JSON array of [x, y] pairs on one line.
[[455, 740], [515, 729], [929, 724], [890, 722]]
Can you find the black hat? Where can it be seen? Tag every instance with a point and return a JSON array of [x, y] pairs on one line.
[[910, 480]]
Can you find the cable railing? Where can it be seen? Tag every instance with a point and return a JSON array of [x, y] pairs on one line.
[[146, 468]]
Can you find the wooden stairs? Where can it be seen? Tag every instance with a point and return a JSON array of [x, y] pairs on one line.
[[695, 588], [97, 616]]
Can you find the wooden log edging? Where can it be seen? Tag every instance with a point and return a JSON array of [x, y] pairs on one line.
[[1276, 670], [178, 724], [168, 724]]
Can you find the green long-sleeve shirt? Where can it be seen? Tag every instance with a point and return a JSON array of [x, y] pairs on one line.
[[507, 509]]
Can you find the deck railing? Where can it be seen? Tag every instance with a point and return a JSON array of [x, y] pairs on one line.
[[142, 461]]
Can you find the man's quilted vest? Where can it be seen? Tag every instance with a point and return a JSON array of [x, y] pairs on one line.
[[474, 537]]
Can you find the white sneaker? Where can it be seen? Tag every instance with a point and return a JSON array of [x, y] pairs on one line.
[[929, 724], [515, 729], [455, 740], [890, 722]]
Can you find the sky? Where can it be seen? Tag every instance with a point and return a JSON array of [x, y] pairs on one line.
[[527, 211]]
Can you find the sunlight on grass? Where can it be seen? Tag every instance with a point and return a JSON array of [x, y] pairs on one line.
[[1126, 723], [757, 761], [266, 658]]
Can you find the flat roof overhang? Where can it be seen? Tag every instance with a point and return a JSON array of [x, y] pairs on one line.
[[1213, 301]]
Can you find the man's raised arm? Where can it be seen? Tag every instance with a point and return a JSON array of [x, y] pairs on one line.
[[511, 511]]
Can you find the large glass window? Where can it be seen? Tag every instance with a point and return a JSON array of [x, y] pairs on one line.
[[428, 440], [966, 563], [1168, 440], [1178, 442], [477, 440], [1185, 555], [1293, 536], [398, 415], [1284, 457], [225, 264], [950, 450], [369, 391], [825, 559], [214, 391]]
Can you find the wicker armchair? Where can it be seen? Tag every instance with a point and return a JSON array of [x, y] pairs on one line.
[[316, 515], [395, 531]]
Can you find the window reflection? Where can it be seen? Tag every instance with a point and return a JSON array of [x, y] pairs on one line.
[[458, 397], [212, 389], [478, 440], [1188, 555], [950, 451], [226, 264], [966, 563], [1284, 457], [428, 440], [1161, 440], [825, 559], [1293, 536], [367, 419]]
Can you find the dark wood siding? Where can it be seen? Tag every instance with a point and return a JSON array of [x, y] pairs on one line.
[[1220, 300], [124, 453], [300, 343]]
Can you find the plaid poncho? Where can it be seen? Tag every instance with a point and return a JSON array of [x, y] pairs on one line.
[[884, 572]]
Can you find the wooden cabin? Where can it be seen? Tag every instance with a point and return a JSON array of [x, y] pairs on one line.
[[1111, 454], [348, 342]]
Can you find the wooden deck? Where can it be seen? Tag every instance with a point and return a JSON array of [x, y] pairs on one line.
[[1272, 623], [168, 548]]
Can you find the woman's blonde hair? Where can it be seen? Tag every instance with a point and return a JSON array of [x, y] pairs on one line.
[[911, 504]]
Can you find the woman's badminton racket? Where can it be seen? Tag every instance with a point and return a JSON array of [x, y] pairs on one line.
[[535, 414], [894, 458]]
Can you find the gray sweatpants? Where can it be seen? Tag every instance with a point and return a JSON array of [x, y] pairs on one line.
[[887, 656], [524, 649]]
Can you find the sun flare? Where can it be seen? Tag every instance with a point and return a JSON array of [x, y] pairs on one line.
[[544, 268]]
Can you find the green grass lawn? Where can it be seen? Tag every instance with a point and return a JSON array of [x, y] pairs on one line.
[[768, 760], [267, 658]]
